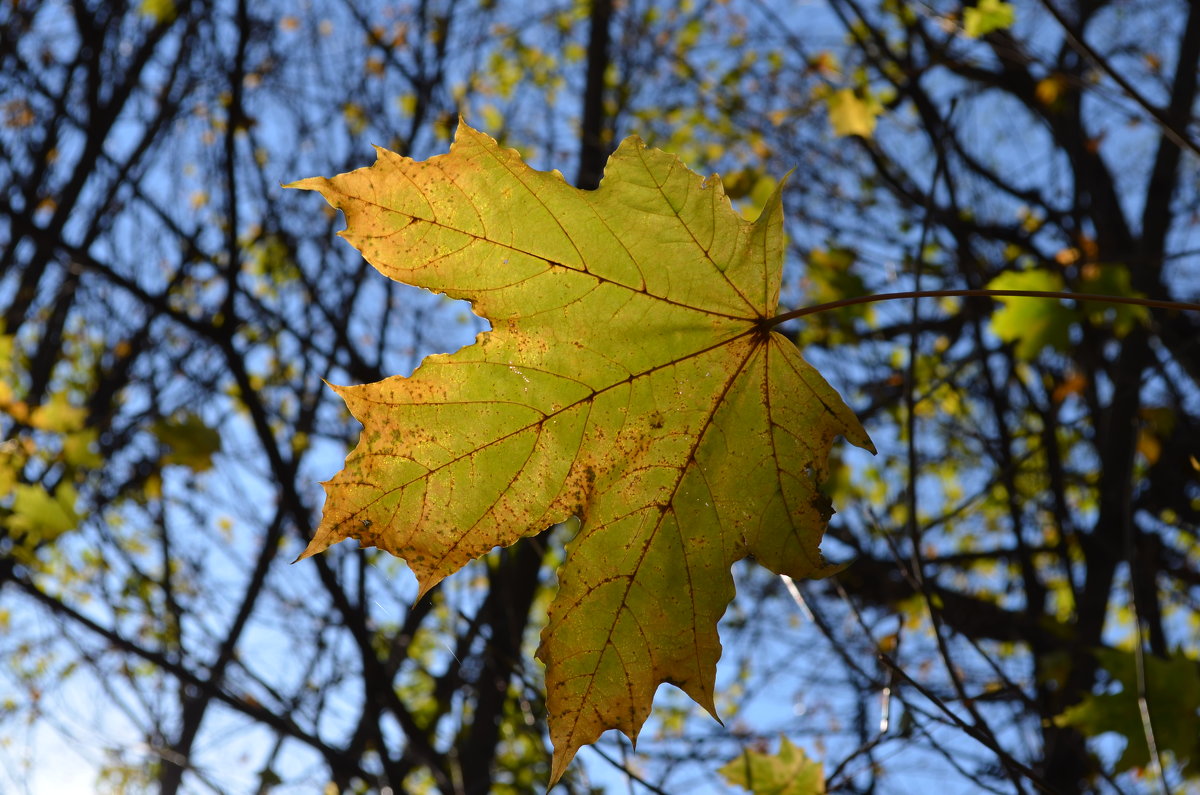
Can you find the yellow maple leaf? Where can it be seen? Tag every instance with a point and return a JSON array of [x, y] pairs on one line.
[[631, 379]]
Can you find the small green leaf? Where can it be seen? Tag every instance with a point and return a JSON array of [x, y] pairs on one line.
[[1033, 323], [987, 16], [788, 772], [192, 442], [1112, 280], [830, 276]]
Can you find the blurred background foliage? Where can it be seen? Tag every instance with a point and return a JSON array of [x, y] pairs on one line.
[[1023, 610]]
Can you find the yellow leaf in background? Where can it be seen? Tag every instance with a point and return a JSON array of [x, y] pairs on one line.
[[40, 516], [1051, 90], [10, 468], [851, 115], [300, 442], [788, 772], [1149, 446], [407, 103], [824, 63], [18, 410], [493, 119], [153, 486], [79, 449], [1030, 220], [58, 415], [355, 116], [987, 16], [161, 11], [760, 194]]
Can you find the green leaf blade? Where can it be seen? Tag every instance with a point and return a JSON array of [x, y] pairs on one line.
[[1034, 324]]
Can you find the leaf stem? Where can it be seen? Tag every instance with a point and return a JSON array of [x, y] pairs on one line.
[[1153, 303]]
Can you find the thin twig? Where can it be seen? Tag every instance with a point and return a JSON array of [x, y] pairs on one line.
[[1151, 303], [1139, 666], [1180, 138], [1139, 660], [596, 749], [913, 469], [970, 730]]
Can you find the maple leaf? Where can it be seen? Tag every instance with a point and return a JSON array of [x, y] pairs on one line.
[[1172, 692], [631, 379], [788, 772], [1033, 323]]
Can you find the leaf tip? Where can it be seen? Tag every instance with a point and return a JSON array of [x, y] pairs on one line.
[[830, 569], [862, 440], [315, 547], [558, 766], [425, 584], [853, 431], [465, 131], [308, 183]]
